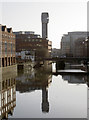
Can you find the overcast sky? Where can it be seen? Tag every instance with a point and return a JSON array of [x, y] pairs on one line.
[[64, 16]]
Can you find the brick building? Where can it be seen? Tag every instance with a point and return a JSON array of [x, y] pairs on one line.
[[28, 41], [7, 46]]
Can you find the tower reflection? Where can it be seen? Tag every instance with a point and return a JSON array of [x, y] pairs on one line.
[[45, 103], [7, 94], [40, 79]]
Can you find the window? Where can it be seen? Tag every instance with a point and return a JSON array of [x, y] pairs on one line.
[[11, 48], [5, 47]]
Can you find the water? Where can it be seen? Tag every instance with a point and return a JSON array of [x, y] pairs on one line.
[[39, 94], [73, 71]]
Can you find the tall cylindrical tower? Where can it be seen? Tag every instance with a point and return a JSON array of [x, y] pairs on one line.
[[45, 20]]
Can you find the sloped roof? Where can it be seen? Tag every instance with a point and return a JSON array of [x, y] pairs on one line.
[[9, 29], [3, 28]]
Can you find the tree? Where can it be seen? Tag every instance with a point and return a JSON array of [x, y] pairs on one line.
[[41, 53]]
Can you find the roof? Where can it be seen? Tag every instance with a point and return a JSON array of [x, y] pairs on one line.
[[4, 28], [9, 29]]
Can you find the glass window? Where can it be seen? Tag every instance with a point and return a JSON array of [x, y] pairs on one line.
[[11, 48], [5, 47]]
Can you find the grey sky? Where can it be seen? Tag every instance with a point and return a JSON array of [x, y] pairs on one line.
[[63, 17]]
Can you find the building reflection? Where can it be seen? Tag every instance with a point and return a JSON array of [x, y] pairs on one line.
[[87, 77], [79, 79], [29, 81], [7, 95], [75, 79], [88, 97]]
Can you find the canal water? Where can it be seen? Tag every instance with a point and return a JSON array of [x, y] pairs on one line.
[[40, 94]]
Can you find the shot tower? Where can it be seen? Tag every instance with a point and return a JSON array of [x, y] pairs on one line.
[[45, 20]]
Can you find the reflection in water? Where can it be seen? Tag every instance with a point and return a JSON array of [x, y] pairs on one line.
[[45, 103], [61, 99], [35, 80], [76, 79], [79, 80], [7, 95], [32, 80], [88, 97]]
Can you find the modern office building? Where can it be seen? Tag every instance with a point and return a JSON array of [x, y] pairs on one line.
[[81, 48], [73, 43]]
